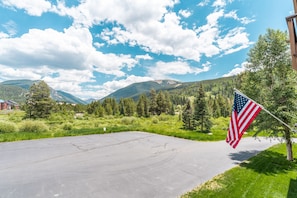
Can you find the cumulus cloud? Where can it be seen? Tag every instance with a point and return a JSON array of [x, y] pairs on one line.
[[32, 7], [150, 25], [3, 35], [236, 39], [72, 49], [163, 70], [203, 3], [156, 30], [221, 3], [8, 73], [144, 57], [185, 13], [237, 69]]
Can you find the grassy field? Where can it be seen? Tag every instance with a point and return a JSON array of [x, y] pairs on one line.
[[68, 125], [267, 175]]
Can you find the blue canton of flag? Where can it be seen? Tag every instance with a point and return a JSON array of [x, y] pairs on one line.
[[239, 103]]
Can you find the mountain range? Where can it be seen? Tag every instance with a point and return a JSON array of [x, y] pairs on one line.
[[16, 89]]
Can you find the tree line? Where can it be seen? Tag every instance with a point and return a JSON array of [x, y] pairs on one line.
[[194, 111]]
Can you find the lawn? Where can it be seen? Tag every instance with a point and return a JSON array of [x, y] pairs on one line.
[[267, 175]]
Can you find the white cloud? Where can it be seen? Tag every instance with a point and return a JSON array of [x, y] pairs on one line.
[[144, 57], [203, 3], [68, 50], [8, 73], [237, 69], [243, 20], [163, 70], [236, 39], [185, 13], [32, 7], [69, 81], [151, 25], [72, 49], [3, 35], [221, 3], [11, 27]]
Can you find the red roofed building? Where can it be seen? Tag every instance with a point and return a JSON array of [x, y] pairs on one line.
[[8, 105]]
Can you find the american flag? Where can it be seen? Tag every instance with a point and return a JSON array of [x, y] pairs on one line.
[[243, 113]]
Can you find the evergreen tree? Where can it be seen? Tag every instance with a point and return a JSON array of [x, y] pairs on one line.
[[127, 106], [201, 115], [187, 116], [153, 102], [142, 106], [122, 108], [38, 101], [110, 106], [168, 103], [161, 103]]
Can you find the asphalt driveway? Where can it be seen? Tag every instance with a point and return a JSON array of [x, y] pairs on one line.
[[129, 164]]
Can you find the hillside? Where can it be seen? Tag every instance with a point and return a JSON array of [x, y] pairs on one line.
[[136, 89], [16, 90], [223, 86], [12, 92]]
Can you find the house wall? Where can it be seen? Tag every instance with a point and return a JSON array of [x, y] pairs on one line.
[[3, 106]]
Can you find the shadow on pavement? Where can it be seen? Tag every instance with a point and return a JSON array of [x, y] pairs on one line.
[[243, 155]]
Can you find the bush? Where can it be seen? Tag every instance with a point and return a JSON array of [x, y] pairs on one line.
[[67, 126], [155, 120], [7, 127], [33, 126], [128, 120], [164, 117]]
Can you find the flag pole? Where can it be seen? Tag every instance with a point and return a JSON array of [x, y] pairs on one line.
[[236, 90]]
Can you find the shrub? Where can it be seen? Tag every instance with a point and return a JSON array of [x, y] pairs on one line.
[[7, 127], [33, 126], [16, 116], [164, 117], [128, 120], [67, 126], [155, 120]]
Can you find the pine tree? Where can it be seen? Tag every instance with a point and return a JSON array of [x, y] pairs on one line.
[[187, 116], [142, 106], [201, 115], [153, 102], [161, 103], [38, 101]]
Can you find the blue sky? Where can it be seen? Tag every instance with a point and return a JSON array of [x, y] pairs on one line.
[[90, 48]]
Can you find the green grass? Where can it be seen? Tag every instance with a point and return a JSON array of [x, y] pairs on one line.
[[59, 126], [267, 175]]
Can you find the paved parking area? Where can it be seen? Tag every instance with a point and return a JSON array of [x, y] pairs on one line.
[[128, 164]]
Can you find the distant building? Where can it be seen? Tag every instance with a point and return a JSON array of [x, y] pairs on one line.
[[8, 105]]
